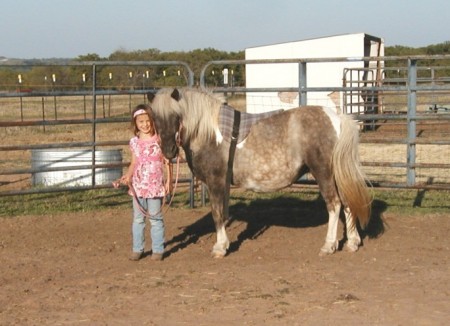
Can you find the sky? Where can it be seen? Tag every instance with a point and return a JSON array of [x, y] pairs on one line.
[[70, 28]]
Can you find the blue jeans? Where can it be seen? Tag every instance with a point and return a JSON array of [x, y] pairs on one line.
[[153, 207]]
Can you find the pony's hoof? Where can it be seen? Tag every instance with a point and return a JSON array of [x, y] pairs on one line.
[[218, 255], [220, 250], [324, 253], [328, 249], [351, 247]]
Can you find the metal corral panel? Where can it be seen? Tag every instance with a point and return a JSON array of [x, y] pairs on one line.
[[66, 159], [321, 74]]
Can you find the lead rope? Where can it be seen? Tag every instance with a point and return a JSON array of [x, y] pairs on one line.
[[172, 195], [116, 184]]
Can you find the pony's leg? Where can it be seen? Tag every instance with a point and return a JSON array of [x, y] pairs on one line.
[[221, 246], [222, 243], [353, 238], [330, 195], [331, 242]]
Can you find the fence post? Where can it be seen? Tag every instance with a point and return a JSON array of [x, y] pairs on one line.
[[411, 123], [302, 100], [94, 118]]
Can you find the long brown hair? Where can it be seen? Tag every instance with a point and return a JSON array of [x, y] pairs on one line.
[[147, 110]]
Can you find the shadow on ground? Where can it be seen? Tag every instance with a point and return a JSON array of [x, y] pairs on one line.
[[260, 214]]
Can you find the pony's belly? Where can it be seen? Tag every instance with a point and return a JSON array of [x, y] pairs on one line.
[[263, 182], [264, 173], [264, 186]]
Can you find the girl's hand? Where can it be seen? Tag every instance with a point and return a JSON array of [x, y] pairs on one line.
[[125, 180]]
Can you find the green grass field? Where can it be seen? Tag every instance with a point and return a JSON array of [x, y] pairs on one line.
[[404, 202]]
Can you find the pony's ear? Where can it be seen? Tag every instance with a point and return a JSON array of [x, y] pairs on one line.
[[176, 95], [150, 97]]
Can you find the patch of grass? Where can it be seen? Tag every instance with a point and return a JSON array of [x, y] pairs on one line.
[[51, 203], [74, 201], [413, 202], [398, 201], [405, 202]]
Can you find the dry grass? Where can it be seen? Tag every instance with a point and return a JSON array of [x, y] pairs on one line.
[[396, 153], [34, 109]]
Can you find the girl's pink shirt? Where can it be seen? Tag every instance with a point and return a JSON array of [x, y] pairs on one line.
[[148, 174]]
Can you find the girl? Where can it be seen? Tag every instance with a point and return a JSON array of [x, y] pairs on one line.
[[145, 178]]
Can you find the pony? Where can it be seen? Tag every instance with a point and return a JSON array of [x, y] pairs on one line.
[[274, 153]]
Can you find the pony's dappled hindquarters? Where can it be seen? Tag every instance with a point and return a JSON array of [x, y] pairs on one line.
[[275, 153]]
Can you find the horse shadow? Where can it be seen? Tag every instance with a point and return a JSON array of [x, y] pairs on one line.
[[261, 214]]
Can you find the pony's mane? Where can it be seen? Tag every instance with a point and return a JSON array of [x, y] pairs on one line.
[[198, 109]]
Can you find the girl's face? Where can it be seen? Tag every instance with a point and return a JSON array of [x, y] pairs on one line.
[[144, 124]]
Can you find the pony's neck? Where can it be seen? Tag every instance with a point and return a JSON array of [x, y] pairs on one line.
[[200, 111]]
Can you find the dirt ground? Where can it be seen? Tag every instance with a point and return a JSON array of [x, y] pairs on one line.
[[73, 269]]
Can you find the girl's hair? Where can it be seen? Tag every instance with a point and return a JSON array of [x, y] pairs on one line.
[[138, 110]]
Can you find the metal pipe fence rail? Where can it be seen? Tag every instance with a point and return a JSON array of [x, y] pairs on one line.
[[415, 99], [406, 144], [42, 115]]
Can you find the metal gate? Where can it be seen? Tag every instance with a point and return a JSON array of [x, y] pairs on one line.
[[404, 114]]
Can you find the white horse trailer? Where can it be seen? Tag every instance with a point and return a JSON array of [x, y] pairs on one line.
[[351, 73]]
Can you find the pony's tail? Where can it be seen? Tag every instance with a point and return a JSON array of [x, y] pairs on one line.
[[349, 178]]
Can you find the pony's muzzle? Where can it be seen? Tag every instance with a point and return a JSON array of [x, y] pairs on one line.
[[171, 152]]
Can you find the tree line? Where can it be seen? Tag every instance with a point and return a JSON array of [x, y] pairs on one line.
[[56, 74], [32, 75], [436, 49]]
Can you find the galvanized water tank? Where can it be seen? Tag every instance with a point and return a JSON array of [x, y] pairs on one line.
[[44, 159]]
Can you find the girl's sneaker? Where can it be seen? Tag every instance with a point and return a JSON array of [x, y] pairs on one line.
[[136, 255], [157, 257]]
